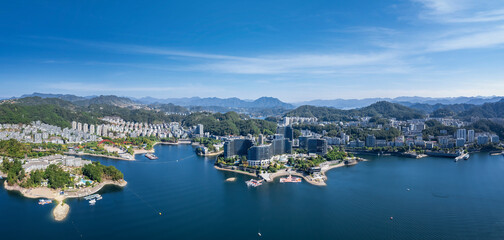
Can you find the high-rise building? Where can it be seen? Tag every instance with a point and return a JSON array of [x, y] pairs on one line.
[[370, 141], [287, 131], [303, 142], [462, 133], [85, 128], [99, 130], [199, 130], [259, 152], [74, 125], [259, 155], [260, 139], [79, 126], [237, 147], [105, 131], [470, 136], [317, 146], [482, 139], [494, 139], [92, 129], [460, 142], [281, 146]]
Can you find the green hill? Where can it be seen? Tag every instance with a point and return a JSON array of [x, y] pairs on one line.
[[379, 109], [487, 110]]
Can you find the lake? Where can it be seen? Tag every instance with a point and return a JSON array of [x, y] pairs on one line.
[[446, 200]]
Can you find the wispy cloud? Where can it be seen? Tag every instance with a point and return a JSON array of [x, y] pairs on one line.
[[301, 63], [462, 11], [481, 39]]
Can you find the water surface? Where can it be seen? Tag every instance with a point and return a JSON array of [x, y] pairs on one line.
[[447, 200]]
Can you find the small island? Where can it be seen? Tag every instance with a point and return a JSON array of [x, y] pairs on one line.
[[54, 177]]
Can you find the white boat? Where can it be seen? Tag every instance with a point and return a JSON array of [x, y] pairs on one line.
[[290, 179], [44, 201], [254, 183], [90, 197], [99, 197], [92, 202]]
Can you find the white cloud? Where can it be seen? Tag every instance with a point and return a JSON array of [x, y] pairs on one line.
[[444, 6], [483, 39], [462, 11]]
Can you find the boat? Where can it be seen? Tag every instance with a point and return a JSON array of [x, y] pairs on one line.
[[254, 183], [92, 202], [99, 197], [151, 156], [91, 197], [496, 153], [464, 156], [290, 179], [44, 201]]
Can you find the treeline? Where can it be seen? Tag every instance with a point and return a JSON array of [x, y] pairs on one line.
[[50, 114], [14, 170], [434, 128], [229, 123], [14, 149], [98, 172], [388, 133], [61, 113], [55, 175]]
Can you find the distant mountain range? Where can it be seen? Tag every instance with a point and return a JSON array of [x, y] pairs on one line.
[[407, 101], [219, 103], [267, 106], [263, 102]]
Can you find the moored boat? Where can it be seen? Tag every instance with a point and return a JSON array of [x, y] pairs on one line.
[[92, 202], [151, 156], [44, 201], [290, 178], [90, 197], [254, 183]]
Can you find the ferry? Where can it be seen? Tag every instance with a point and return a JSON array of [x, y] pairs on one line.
[[44, 201], [151, 156], [290, 179], [254, 183]]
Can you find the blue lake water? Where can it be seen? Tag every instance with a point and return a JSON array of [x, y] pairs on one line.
[[447, 200]]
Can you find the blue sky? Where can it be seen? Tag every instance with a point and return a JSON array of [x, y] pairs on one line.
[[293, 50]]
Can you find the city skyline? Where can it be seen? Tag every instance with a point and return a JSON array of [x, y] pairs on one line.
[[295, 51]]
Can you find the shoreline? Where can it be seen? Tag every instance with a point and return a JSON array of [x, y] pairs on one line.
[[211, 154], [98, 155], [235, 171], [270, 177], [61, 209]]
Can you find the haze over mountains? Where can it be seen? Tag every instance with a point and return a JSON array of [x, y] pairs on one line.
[[425, 104], [407, 101]]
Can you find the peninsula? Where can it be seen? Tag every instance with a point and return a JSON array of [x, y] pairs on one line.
[[56, 177]]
